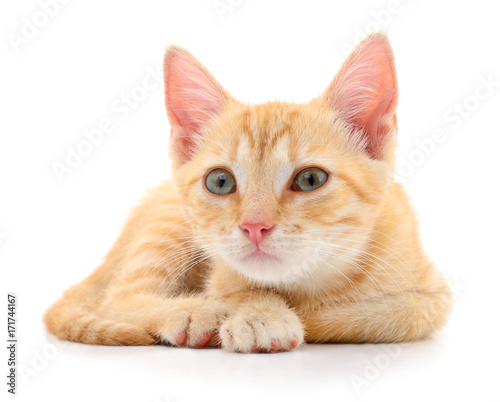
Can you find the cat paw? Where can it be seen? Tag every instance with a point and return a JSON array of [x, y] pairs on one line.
[[193, 323], [262, 331]]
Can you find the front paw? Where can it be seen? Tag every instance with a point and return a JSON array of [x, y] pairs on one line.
[[193, 322], [252, 330]]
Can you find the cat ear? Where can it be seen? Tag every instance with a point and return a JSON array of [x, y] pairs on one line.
[[193, 98], [365, 93]]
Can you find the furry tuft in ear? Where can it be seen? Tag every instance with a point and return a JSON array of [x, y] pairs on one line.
[[365, 93], [193, 98]]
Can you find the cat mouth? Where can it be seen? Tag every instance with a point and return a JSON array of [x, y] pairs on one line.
[[261, 256]]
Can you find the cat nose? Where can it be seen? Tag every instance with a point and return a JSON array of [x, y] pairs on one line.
[[256, 231]]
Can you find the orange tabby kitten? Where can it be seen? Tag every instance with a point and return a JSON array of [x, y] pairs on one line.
[[284, 224]]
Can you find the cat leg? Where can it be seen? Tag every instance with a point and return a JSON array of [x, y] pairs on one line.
[[73, 318], [397, 317], [260, 322], [182, 320], [141, 296]]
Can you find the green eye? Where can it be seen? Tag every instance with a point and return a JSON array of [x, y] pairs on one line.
[[309, 179], [220, 182]]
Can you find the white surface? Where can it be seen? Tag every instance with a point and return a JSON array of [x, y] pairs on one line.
[[52, 233]]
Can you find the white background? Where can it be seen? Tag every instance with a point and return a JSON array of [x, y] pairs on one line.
[[89, 54]]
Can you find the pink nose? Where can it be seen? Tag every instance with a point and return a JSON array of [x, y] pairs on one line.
[[256, 231]]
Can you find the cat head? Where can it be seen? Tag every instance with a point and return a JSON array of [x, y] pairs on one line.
[[278, 190]]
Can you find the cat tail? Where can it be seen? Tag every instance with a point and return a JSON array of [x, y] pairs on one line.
[[73, 318]]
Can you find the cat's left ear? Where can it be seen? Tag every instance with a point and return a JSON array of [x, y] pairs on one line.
[[193, 98], [365, 93]]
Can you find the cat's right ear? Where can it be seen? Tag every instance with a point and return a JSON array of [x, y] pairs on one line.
[[193, 98]]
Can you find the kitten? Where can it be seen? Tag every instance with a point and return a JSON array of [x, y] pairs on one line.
[[284, 224]]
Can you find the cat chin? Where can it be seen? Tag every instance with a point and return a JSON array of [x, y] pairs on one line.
[[261, 257], [269, 269]]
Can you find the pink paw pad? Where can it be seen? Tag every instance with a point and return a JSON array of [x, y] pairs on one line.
[[256, 349], [203, 340], [275, 344], [294, 342], [181, 338]]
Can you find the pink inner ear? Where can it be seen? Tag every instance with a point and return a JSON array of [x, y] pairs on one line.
[[365, 91], [192, 96]]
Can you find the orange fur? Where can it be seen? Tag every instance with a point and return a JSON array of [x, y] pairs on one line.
[[347, 263]]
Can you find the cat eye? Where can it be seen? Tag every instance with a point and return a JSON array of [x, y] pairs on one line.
[[220, 182], [309, 179]]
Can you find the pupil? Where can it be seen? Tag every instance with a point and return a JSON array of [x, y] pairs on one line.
[[222, 179], [309, 177]]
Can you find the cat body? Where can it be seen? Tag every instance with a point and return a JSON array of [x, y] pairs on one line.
[[283, 224]]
